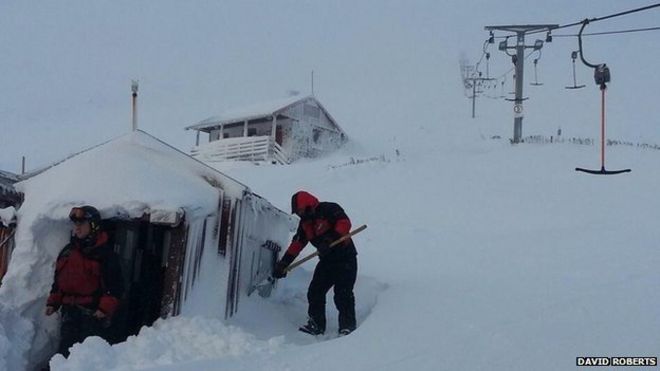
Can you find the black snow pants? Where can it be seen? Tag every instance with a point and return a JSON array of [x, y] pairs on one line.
[[78, 324], [342, 275]]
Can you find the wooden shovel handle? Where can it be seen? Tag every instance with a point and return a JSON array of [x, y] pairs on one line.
[[338, 241]]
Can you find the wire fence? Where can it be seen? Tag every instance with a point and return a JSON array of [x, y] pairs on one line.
[[543, 139]]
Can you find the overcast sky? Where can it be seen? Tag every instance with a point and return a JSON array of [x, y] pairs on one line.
[[381, 67]]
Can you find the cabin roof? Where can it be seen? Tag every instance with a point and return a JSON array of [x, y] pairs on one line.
[[257, 111]]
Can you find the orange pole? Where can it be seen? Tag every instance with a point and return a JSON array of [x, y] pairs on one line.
[[602, 127]]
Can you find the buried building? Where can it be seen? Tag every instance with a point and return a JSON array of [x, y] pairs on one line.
[[191, 240], [279, 131]]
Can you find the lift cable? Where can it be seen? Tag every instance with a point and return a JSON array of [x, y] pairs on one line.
[[612, 32], [596, 19], [631, 11]]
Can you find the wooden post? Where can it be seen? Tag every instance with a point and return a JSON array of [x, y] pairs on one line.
[[222, 132], [272, 131], [171, 300], [245, 129], [197, 140], [23, 165]]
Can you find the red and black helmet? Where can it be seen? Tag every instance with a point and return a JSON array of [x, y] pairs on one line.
[[303, 203], [86, 213]]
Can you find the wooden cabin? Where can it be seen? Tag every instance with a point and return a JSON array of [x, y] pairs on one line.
[[279, 131]]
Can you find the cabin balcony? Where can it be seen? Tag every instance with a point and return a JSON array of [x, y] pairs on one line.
[[254, 149]]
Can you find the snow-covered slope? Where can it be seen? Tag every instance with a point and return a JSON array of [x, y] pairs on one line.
[[479, 256]]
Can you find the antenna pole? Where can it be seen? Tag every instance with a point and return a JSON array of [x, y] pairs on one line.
[[134, 89]]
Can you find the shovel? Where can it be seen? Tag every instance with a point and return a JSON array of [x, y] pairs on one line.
[[264, 288]]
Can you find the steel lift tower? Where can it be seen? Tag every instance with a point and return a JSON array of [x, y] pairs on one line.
[[519, 62]]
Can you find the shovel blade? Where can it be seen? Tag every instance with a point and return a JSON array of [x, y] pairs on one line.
[[263, 288]]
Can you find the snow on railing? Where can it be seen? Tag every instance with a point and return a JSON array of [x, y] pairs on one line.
[[261, 148], [278, 153]]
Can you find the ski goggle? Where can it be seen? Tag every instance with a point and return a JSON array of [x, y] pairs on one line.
[[79, 215]]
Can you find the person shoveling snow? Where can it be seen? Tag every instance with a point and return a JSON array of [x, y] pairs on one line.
[[323, 223]]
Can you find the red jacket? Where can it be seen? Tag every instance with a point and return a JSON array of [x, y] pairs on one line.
[[322, 220], [88, 274]]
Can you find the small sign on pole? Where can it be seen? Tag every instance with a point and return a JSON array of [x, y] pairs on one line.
[[517, 110]]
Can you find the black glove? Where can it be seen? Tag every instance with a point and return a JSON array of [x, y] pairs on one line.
[[280, 266]]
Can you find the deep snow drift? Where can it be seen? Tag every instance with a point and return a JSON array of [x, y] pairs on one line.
[[155, 179], [479, 255]]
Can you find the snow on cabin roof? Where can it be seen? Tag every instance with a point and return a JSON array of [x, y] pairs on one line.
[[10, 177], [250, 112], [129, 176], [7, 180]]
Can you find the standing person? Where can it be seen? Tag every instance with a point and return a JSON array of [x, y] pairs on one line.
[[88, 284], [322, 223]]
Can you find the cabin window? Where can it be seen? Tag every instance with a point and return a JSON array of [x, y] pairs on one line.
[[252, 132], [316, 135]]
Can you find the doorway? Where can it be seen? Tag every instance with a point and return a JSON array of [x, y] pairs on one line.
[[143, 249], [279, 135]]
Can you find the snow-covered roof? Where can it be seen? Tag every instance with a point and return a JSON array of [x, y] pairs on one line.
[[7, 216], [6, 175], [132, 175], [7, 180], [250, 112], [256, 111]]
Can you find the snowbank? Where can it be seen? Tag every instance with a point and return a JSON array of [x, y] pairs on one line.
[[128, 177], [496, 257], [493, 257], [175, 340], [263, 327], [7, 216]]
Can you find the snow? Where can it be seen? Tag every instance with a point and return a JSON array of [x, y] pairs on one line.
[[6, 183], [177, 340], [478, 255], [7, 216], [154, 178], [10, 177], [249, 112]]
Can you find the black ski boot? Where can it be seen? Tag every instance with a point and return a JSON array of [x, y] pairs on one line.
[[311, 328], [344, 332]]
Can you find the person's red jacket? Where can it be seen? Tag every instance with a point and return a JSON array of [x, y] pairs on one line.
[[88, 274], [321, 222]]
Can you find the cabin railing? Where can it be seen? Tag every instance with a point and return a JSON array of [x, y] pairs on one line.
[[261, 148]]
